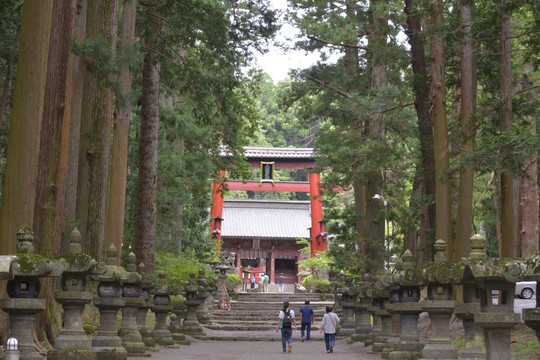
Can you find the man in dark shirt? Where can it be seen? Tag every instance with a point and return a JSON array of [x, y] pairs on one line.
[[306, 317]]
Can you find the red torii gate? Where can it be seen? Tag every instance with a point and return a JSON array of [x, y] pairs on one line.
[[280, 158]]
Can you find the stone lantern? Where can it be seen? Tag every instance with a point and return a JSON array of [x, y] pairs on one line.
[[348, 298], [496, 285], [73, 343], [147, 284], [191, 325], [474, 348], [203, 315], [380, 293], [439, 276], [362, 325], [132, 295], [162, 307], [107, 344], [23, 290], [224, 303], [408, 307]]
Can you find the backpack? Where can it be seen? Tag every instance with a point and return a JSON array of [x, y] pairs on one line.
[[287, 320]]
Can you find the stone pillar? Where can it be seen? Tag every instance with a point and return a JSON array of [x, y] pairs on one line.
[[161, 308], [409, 346], [147, 284], [396, 326], [379, 342], [107, 344], [440, 275], [73, 343], [131, 292], [175, 326], [203, 315], [348, 297], [191, 325]]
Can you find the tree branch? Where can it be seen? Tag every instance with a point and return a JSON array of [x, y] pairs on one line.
[[398, 106], [337, 44], [327, 85]]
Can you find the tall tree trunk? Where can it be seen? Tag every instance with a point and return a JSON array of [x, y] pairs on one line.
[[507, 179], [75, 94], [443, 218], [529, 200], [116, 198], [375, 229], [145, 222], [467, 111], [52, 161], [425, 129], [26, 111], [96, 121]]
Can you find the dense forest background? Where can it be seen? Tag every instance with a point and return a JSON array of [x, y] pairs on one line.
[[112, 115]]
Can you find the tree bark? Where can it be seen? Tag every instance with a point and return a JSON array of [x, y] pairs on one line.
[[27, 109], [145, 222], [443, 218], [425, 129], [467, 112], [507, 179], [116, 198], [96, 121], [529, 200], [75, 94]]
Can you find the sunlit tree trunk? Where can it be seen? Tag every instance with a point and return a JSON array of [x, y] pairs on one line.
[[96, 121], [425, 128], [145, 222], [467, 112], [507, 179], [75, 94], [443, 218], [116, 196]]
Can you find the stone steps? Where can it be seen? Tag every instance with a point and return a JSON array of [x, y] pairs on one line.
[[253, 316]]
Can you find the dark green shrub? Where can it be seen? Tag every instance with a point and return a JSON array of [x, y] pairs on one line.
[[232, 282]]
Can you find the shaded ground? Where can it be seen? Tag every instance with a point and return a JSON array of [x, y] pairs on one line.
[[267, 350]]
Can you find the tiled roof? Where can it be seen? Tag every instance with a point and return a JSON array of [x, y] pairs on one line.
[[273, 153], [266, 219]]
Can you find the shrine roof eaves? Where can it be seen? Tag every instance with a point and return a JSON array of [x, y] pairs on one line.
[[252, 152]]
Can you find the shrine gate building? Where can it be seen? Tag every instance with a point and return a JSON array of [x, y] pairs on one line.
[[263, 233]]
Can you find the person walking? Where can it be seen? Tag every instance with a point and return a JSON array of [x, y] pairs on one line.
[[286, 321], [266, 279], [281, 283], [306, 319], [252, 281], [329, 325]]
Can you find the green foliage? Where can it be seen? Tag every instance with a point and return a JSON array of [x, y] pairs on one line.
[[177, 267], [232, 282], [316, 285], [308, 262]]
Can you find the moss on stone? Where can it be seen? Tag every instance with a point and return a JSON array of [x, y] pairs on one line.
[[72, 354], [30, 262]]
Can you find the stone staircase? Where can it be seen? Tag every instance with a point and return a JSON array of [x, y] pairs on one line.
[[253, 316]]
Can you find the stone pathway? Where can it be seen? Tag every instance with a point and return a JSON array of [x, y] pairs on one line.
[[267, 350]]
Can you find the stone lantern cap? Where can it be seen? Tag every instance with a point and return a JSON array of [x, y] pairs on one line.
[[148, 280], [524, 270], [133, 276], [380, 288], [75, 262], [162, 288], [480, 268], [192, 286], [408, 275], [441, 271], [113, 272], [29, 264]]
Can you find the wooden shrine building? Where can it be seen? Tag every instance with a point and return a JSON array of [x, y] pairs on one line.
[[263, 233]]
